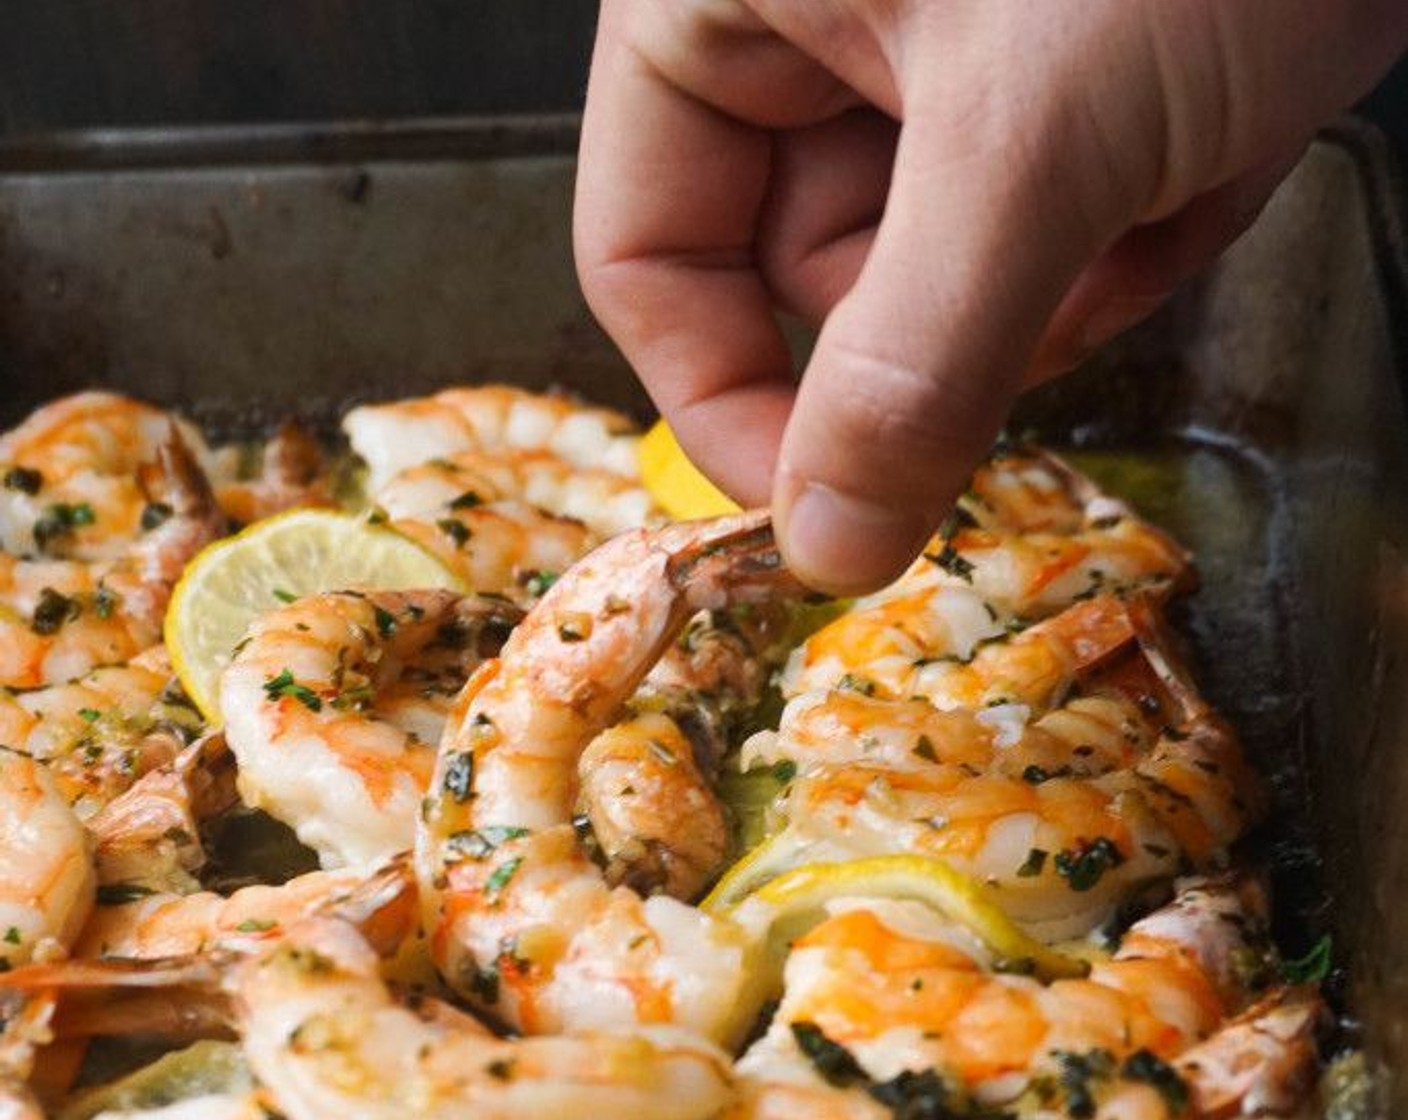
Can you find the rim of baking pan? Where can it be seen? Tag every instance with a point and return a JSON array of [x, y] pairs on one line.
[[335, 142]]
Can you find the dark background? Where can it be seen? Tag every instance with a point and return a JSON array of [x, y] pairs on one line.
[[99, 63]]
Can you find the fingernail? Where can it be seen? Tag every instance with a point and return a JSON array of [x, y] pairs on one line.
[[845, 545], [1114, 317]]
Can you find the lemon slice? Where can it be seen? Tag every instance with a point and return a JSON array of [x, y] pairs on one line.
[[785, 907], [233, 581], [676, 484]]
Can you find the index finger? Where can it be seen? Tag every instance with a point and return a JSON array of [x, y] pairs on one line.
[[669, 191]]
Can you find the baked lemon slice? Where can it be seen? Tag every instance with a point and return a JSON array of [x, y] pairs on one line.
[[787, 906], [233, 581], [676, 484]]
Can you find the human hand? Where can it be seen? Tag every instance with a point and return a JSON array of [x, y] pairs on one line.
[[968, 196]]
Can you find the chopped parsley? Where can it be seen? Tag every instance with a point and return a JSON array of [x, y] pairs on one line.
[[1084, 866], [385, 621], [479, 842], [784, 770], [256, 925], [1033, 865], [90, 715], [1078, 1072], [468, 500], [276, 688], [1311, 968], [496, 883], [1147, 1067], [832, 1060], [59, 520], [52, 611], [154, 515], [537, 583], [925, 749], [24, 479], [12, 936], [457, 531], [284, 596], [948, 559], [501, 1069], [854, 682], [459, 776]]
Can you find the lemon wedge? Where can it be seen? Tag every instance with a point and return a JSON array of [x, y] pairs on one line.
[[233, 581], [785, 907], [676, 484]]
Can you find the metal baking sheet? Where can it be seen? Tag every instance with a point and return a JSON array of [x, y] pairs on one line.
[[247, 276]]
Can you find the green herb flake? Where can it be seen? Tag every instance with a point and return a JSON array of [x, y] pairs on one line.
[[468, 500], [457, 531], [155, 515], [1085, 866], [1034, 864], [284, 596], [276, 688], [854, 682], [12, 936], [61, 519], [105, 601], [925, 749], [90, 715], [501, 1069], [24, 479], [1078, 1074], [256, 925], [911, 1095], [385, 621], [537, 583], [496, 883], [1148, 1068], [484, 982], [477, 843], [459, 776], [832, 1060], [1311, 968], [52, 611], [784, 770], [950, 561]]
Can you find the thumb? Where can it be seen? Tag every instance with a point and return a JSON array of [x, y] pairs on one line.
[[916, 368]]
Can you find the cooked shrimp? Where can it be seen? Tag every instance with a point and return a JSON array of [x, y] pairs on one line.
[[100, 733], [334, 704], [153, 927], [71, 475], [647, 785], [605, 501], [915, 655], [325, 1038], [149, 838], [391, 437], [520, 920], [60, 619], [292, 475], [652, 812], [46, 877], [912, 1002]]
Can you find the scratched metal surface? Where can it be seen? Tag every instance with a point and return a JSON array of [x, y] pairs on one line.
[[249, 275]]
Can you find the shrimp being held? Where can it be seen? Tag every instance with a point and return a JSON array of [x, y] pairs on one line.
[[521, 921], [334, 704]]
